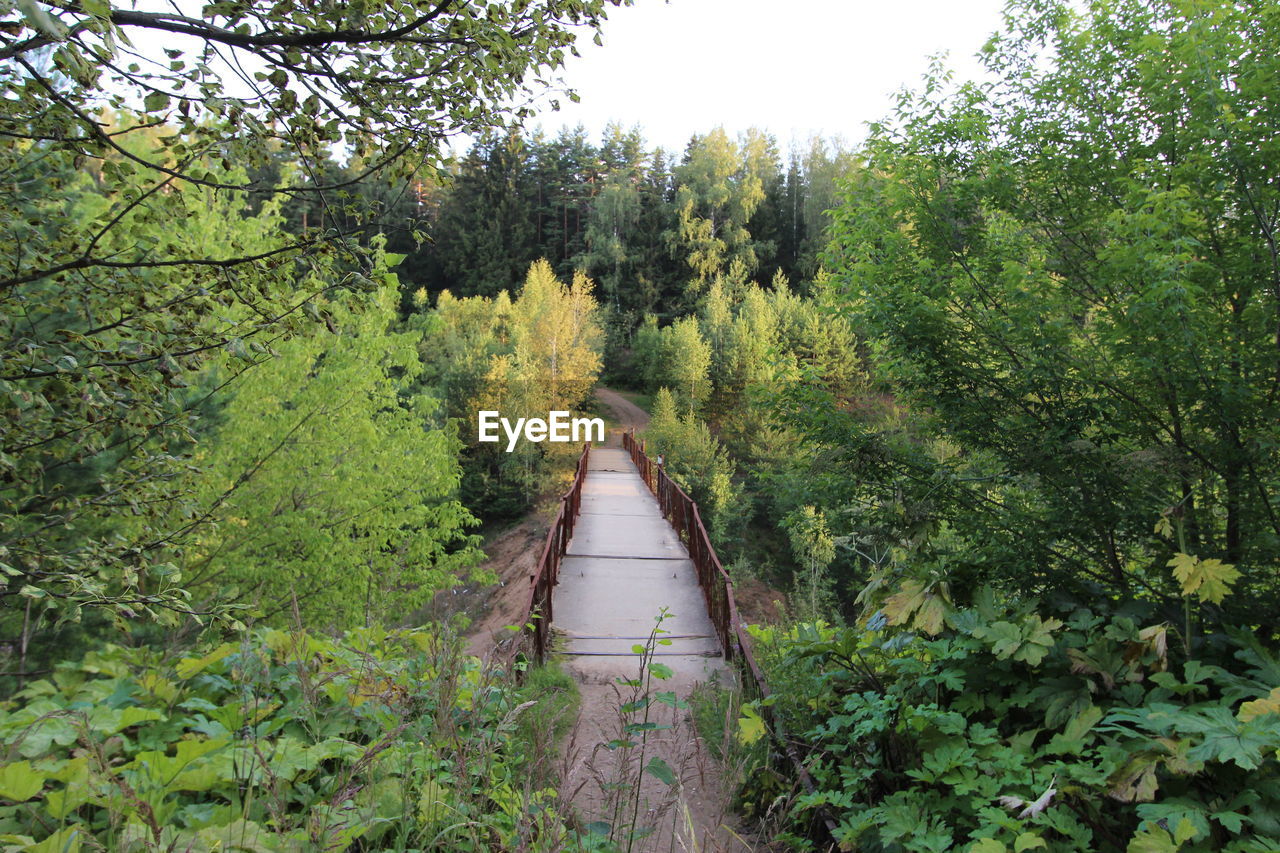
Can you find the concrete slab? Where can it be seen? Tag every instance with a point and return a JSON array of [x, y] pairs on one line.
[[624, 564], [623, 506], [602, 535], [609, 596]]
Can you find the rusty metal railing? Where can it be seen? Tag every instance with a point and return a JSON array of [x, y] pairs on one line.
[[538, 614], [717, 589], [682, 511]]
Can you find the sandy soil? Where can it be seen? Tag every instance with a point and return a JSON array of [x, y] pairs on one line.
[[694, 814], [759, 603], [513, 555]]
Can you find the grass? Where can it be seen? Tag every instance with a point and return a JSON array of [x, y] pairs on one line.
[[543, 726], [644, 401], [714, 708]]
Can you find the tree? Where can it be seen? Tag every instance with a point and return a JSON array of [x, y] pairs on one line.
[[102, 387], [556, 336], [696, 460], [647, 355], [715, 199], [523, 358], [566, 175], [108, 308], [827, 166], [792, 225], [613, 216], [1073, 271], [326, 487], [484, 237], [814, 549], [761, 162], [658, 273], [687, 360]]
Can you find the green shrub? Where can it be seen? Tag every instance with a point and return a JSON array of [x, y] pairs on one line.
[[1012, 730], [282, 741]]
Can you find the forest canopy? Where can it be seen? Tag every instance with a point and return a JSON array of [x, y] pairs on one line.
[[981, 414]]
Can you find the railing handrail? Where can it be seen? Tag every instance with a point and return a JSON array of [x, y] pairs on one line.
[[538, 612], [683, 517]]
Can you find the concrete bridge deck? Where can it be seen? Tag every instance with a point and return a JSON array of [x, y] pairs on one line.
[[624, 564]]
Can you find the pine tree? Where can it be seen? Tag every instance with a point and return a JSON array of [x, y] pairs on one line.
[[484, 239]]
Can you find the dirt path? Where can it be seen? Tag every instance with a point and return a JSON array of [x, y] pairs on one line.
[[626, 414]]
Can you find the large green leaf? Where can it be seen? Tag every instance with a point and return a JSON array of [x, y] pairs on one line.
[[19, 782]]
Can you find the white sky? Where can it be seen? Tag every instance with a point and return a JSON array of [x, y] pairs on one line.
[[793, 67]]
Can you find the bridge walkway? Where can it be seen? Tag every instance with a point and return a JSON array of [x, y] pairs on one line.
[[624, 564]]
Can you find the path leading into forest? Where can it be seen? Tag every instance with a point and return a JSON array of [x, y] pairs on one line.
[[625, 413], [624, 565]]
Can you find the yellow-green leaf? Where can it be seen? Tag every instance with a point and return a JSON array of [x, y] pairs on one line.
[[1209, 580], [750, 725], [1152, 840], [19, 782], [917, 604], [1028, 841], [433, 803], [63, 841], [899, 607], [188, 667], [987, 845], [1136, 782], [1269, 704]]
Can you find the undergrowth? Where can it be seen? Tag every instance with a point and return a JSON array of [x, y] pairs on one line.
[[1010, 727], [283, 741]]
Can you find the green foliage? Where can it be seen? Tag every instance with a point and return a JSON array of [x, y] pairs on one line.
[[138, 245], [722, 436], [647, 354], [686, 358], [405, 76], [697, 462], [814, 550], [715, 199], [100, 381], [280, 741], [1015, 731], [637, 220], [523, 358], [1065, 270], [327, 489]]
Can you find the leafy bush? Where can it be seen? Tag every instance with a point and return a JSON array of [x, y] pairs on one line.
[[282, 741], [1014, 730]]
